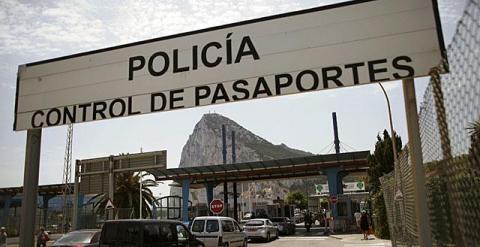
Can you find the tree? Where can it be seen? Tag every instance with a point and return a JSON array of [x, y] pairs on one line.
[[474, 131], [380, 163], [298, 198], [127, 195]]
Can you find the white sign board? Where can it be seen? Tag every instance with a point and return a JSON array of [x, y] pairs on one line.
[[339, 45]]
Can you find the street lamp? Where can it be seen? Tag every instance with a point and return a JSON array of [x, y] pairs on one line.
[[398, 193]]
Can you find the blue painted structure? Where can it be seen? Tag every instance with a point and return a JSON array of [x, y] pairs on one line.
[[209, 187], [7, 200]]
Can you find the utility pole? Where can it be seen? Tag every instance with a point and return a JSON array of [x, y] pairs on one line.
[[234, 160], [224, 155]]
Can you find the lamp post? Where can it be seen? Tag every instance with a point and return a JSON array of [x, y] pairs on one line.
[[140, 196], [398, 193]]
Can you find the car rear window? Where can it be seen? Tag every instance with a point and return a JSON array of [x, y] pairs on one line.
[[277, 219], [120, 231], [255, 223], [212, 225], [198, 226]]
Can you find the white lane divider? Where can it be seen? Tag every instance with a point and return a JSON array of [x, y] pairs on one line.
[[303, 238], [365, 245]]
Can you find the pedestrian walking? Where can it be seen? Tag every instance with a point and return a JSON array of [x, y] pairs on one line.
[[364, 225], [308, 220], [42, 238], [3, 237]]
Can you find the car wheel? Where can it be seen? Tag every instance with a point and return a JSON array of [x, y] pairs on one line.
[[268, 237], [225, 245]]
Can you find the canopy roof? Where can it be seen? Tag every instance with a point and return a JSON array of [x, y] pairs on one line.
[[262, 170]]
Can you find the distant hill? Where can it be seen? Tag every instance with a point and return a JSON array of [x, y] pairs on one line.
[[204, 147]]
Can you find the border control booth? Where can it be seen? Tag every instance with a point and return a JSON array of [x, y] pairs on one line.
[[334, 166]]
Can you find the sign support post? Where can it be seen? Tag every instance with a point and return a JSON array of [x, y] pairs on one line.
[[415, 150], [30, 187]]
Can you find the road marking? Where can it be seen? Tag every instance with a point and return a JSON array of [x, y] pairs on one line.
[[303, 238], [365, 245]]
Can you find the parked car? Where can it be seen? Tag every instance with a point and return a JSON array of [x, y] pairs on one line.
[[297, 218], [218, 231], [146, 233], [80, 238], [261, 229], [284, 225]]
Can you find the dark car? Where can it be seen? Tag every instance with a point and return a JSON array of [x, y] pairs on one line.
[[146, 233], [284, 224], [80, 238]]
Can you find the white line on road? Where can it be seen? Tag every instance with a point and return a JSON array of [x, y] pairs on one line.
[[365, 245], [303, 238]]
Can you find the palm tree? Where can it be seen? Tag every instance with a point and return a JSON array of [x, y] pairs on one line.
[[474, 131], [127, 195]]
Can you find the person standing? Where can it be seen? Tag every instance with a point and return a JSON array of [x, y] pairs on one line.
[[42, 238], [364, 225], [3, 237]]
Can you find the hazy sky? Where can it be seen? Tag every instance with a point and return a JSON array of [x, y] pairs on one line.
[[37, 30]]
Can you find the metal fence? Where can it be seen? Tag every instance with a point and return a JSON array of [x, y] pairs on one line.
[[450, 132], [89, 218]]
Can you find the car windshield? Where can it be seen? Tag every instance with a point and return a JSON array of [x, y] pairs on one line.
[[278, 220], [76, 238], [255, 223]]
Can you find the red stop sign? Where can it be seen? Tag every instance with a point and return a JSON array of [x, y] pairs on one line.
[[333, 199], [216, 206]]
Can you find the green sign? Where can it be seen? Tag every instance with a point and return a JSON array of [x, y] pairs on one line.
[[318, 188]]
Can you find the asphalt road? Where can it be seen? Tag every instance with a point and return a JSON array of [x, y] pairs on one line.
[[323, 241], [316, 238], [299, 241], [301, 238]]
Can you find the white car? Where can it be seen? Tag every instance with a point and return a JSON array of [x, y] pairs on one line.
[[218, 231], [261, 229]]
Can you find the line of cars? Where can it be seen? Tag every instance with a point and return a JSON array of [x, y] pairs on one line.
[[203, 231]]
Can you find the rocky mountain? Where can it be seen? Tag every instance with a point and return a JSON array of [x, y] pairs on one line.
[[204, 147]]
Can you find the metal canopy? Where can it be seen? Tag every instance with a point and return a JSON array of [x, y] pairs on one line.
[[264, 170], [50, 189]]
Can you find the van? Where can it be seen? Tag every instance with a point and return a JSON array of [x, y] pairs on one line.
[[146, 233], [218, 231]]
